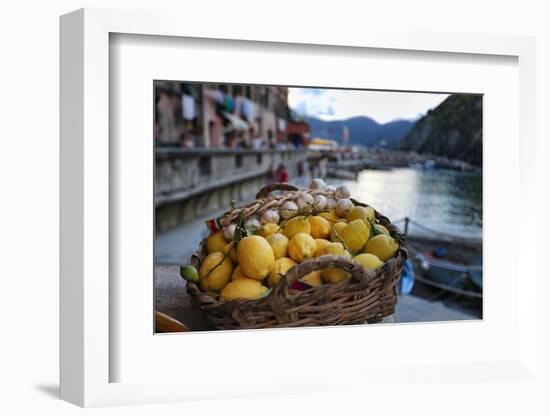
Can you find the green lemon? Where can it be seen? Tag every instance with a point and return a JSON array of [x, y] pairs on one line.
[[189, 273]]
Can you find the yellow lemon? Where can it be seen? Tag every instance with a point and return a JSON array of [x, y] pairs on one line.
[[334, 275], [268, 229], [301, 247], [243, 289], [382, 246], [355, 234], [313, 278], [204, 285], [255, 256], [336, 249], [320, 227], [215, 242], [380, 229], [296, 225], [282, 265], [320, 244], [336, 230], [279, 244], [229, 249], [368, 261], [215, 271], [362, 213], [330, 216], [238, 274]]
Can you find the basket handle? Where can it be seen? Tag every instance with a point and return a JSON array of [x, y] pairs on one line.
[[356, 270], [266, 190], [278, 298]]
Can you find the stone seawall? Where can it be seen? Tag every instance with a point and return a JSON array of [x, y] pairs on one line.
[[191, 183]]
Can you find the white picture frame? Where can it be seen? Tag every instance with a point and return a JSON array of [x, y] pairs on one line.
[[87, 302]]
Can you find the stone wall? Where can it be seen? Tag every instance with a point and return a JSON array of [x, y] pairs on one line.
[[190, 184]]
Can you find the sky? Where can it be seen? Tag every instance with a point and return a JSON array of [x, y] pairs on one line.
[[382, 106]]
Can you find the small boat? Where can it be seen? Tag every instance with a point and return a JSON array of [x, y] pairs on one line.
[[341, 174], [445, 262], [448, 274], [427, 165], [476, 276]]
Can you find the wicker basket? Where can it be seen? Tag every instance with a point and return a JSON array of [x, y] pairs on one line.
[[366, 297]]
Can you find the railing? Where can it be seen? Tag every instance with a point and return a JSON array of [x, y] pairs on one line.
[[182, 173]]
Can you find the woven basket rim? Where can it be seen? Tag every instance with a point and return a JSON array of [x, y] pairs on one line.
[[264, 195]]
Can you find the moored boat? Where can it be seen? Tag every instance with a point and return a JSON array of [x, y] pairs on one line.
[[445, 262]]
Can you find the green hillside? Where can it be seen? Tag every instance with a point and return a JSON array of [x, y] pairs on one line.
[[453, 129]]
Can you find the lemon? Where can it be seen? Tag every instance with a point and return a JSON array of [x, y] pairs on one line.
[[238, 274], [382, 246], [355, 234], [301, 247], [189, 273], [368, 261], [362, 213], [320, 227], [380, 229], [330, 216], [215, 242], [320, 244], [255, 256], [243, 289], [279, 244], [296, 225], [229, 249], [282, 265], [215, 271], [336, 230], [334, 275], [267, 229], [313, 278]]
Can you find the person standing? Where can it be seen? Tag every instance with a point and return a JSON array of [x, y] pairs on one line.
[[282, 173]]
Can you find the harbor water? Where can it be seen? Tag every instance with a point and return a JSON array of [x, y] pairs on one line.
[[443, 200]]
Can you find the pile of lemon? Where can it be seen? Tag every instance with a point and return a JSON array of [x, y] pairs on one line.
[[249, 267]]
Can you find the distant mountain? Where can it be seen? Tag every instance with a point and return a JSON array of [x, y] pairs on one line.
[[362, 130], [452, 129]]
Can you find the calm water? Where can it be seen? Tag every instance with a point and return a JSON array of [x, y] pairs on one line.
[[443, 200]]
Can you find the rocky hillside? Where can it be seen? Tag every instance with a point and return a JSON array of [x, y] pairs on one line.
[[452, 129]]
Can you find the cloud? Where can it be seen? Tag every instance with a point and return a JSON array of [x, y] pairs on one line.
[[382, 106], [312, 102]]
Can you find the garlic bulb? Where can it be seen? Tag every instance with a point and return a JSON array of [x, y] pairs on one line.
[[342, 192], [330, 203], [330, 188], [270, 216], [288, 209], [318, 184], [229, 231], [343, 206], [304, 202], [319, 202], [252, 225]]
